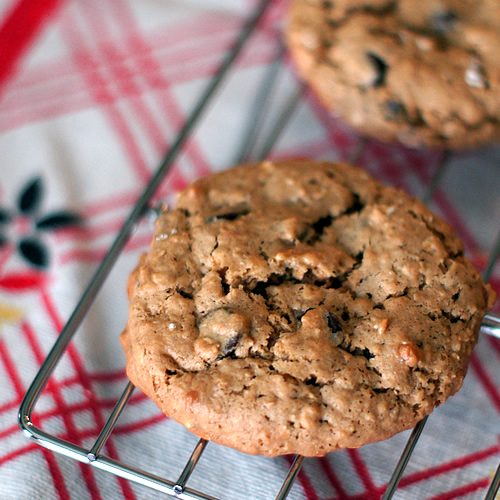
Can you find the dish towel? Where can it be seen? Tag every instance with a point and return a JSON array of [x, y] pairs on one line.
[[92, 94]]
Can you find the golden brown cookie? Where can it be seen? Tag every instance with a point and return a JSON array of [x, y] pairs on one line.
[[301, 307], [423, 73]]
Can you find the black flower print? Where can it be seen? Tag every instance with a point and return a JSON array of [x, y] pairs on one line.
[[26, 214]]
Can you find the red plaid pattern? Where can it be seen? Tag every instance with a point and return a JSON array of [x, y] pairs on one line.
[[91, 95]]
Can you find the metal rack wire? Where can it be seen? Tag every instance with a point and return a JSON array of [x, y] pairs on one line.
[[178, 488]]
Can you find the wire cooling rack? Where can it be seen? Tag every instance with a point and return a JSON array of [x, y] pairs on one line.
[[178, 487]]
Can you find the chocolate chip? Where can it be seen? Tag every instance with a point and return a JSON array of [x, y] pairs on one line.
[[231, 345], [443, 22], [271, 341], [357, 351], [333, 322], [185, 294], [380, 67], [394, 110], [356, 206], [309, 277], [260, 289], [322, 223], [367, 353], [228, 215], [299, 313], [312, 380], [303, 235], [317, 228], [359, 257], [226, 288], [226, 329], [333, 282]]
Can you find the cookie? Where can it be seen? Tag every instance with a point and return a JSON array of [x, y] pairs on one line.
[[425, 74], [300, 307]]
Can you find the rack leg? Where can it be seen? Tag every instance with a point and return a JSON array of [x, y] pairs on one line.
[[188, 469], [290, 478], [405, 457], [436, 179], [110, 424], [494, 486]]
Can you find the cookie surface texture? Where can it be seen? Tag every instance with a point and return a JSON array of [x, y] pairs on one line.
[[300, 307], [426, 73]]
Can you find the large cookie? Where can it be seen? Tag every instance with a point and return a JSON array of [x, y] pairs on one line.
[[300, 307], [424, 73]]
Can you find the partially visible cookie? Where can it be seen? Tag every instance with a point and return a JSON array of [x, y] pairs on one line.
[[424, 73], [301, 307]]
